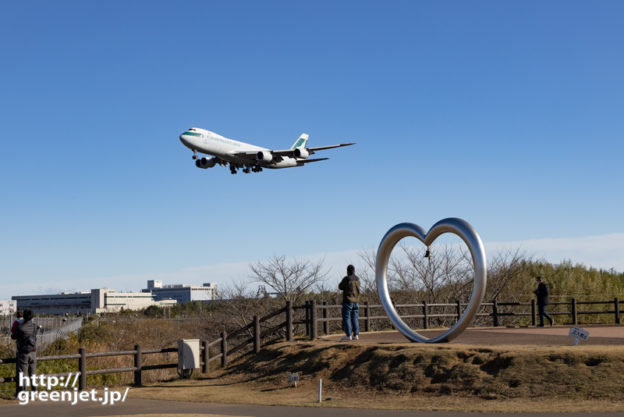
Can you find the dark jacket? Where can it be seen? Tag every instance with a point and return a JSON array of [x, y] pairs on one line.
[[542, 292], [26, 336], [350, 286]]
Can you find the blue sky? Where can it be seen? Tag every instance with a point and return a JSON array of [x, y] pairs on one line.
[[507, 114]]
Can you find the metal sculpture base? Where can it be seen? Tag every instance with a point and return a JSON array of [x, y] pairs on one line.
[[456, 226]]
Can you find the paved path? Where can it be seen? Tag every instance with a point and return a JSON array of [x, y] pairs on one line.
[[138, 406], [544, 336]]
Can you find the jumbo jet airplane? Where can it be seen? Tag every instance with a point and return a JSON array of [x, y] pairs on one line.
[[237, 154]]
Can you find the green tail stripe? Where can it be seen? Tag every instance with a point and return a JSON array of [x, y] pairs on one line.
[[298, 143]]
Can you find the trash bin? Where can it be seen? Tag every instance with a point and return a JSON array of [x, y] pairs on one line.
[[188, 357]]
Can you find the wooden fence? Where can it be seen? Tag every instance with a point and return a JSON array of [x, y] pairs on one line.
[[494, 313]]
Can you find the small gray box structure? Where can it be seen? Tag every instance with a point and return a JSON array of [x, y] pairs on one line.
[[188, 354]]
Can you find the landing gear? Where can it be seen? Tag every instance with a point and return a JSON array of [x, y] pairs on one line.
[[194, 155], [246, 168]]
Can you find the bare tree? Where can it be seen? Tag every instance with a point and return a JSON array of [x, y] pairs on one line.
[[367, 274], [290, 279], [444, 274], [505, 276], [239, 304]]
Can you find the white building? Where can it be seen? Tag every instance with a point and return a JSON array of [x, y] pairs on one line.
[[104, 300], [182, 293], [8, 307], [99, 300]]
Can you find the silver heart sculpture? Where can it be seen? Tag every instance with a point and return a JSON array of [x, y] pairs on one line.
[[469, 235]]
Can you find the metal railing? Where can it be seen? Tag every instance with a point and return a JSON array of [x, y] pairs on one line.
[[52, 329]]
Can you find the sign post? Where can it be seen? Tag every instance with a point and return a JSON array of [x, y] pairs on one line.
[[577, 333], [293, 378]]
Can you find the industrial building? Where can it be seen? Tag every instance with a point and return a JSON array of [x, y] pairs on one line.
[[99, 300], [182, 293]]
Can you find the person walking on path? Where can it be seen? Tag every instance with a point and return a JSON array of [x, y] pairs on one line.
[[25, 334], [350, 286], [542, 292]]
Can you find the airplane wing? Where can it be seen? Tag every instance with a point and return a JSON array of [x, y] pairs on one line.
[[249, 157], [320, 148], [305, 161], [291, 152], [278, 154]]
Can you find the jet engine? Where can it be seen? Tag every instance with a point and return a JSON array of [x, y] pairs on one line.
[[206, 162], [302, 153], [264, 156]]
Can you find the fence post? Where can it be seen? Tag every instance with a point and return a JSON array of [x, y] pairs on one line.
[[205, 356], [307, 318], [574, 315], [257, 341], [17, 381], [137, 365], [367, 325], [289, 321], [223, 348], [82, 368], [313, 322], [426, 316], [458, 309], [325, 323], [495, 313], [616, 307]]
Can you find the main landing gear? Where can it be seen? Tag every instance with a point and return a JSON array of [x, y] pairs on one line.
[[246, 169]]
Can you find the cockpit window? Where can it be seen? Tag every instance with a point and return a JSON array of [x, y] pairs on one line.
[[192, 129]]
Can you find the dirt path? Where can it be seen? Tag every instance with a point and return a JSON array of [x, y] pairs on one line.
[[531, 336]]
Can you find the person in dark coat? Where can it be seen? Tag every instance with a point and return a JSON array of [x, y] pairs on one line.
[[25, 334], [350, 286], [542, 292]]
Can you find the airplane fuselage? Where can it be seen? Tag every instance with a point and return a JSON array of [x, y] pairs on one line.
[[211, 143]]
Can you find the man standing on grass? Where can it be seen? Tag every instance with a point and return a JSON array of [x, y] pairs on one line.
[[350, 286], [25, 334], [542, 292]]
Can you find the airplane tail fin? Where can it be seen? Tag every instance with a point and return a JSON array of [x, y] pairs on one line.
[[301, 142]]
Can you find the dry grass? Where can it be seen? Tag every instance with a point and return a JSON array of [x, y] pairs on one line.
[[169, 415], [422, 377], [305, 395]]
